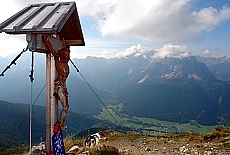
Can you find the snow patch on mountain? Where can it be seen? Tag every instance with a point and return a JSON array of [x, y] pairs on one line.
[[143, 79], [130, 71], [194, 77]]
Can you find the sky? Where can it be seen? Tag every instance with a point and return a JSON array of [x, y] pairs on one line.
[[118, 28]]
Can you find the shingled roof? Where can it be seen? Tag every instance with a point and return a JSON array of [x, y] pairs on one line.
[[47, 18]]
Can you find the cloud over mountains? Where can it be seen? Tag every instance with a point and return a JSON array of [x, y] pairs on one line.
[[168, 50], [158, 20]]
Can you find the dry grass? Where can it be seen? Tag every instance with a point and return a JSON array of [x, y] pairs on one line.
[[104, 150], [15, 151]]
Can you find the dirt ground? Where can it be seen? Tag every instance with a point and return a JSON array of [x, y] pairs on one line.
[[131, 143], [217, 142]]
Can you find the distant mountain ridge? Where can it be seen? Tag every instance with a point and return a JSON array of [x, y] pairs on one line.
[[219, 67], [171, 88], [176, 68]]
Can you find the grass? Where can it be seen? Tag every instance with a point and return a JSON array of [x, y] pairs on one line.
[[151, 124], [15, 151], [69, 142]]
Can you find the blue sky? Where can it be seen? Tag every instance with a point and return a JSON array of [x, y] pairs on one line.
[[117, 28]]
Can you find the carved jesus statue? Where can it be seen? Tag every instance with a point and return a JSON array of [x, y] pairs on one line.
[[61, 58]]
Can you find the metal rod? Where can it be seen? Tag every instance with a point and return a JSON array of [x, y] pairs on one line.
[[31, 99], [13, 62]]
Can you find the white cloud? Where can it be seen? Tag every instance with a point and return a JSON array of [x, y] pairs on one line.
[[12, 44], [156, 20], [168, 50], [132, 50], [99, 9], [106, 53], [8, 9], [209, 18], [172, 50], [113, 53], [206, 52]]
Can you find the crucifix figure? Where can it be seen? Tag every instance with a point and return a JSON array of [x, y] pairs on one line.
[[61, 58]]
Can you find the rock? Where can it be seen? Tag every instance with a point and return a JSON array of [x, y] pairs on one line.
[[181, 149], [39, 149], [84, 153], [207, 152], [185, 150], [147, 149]]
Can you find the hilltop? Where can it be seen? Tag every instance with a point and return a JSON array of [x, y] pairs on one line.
[[133, 143], [216, 142]]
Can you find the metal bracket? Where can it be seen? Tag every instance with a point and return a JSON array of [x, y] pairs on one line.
[[35, 43]]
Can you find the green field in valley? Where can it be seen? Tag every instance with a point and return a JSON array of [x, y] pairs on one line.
[[150, 125]]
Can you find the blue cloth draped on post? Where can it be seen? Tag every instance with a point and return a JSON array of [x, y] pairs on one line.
[[58, 143]]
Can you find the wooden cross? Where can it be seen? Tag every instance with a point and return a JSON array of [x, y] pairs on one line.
[[61, 21]]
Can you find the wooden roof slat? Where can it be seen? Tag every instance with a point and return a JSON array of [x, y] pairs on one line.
[[28, 18], [48, 14]]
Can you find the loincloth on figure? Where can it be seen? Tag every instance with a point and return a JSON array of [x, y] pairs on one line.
[[60, 89]]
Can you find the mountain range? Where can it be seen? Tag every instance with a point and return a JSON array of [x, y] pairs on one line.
[[177, 89]]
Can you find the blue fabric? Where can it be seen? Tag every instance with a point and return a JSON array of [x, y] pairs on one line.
[[58, 144]]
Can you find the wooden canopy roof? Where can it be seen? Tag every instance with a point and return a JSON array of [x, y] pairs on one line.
[[47, 18]]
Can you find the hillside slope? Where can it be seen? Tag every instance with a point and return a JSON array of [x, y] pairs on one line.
[[14, 129]]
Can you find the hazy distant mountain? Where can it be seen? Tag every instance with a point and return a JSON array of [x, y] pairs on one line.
[[122, 72], [177, 68], [171, 88], [219, 67], [16, 86], [142, 68]]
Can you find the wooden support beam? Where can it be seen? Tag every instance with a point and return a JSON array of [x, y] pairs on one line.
[[51, 101], [48, 103]]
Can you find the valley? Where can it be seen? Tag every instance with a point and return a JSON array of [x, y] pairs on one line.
[[143, 94], [150, 125]]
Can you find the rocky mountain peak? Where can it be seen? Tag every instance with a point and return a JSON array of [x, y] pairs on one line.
[[177, 68]]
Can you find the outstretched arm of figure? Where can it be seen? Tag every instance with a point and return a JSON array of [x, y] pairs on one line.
[[49, 45]]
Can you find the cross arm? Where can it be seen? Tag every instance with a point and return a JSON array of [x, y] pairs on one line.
[[48, 44]]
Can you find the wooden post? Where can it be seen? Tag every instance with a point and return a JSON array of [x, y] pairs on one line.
[[51, 101], [54, 100], [48, 102]]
